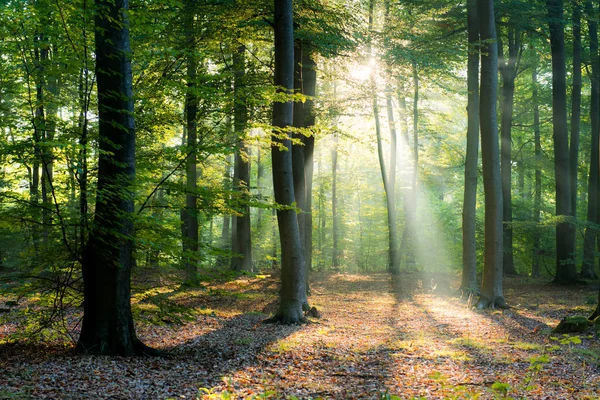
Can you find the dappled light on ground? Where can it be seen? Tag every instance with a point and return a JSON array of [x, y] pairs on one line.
[[375, 336]]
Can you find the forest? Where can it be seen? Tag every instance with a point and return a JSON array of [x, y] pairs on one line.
[[309, 199]]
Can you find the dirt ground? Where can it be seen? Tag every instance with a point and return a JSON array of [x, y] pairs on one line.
[[374, 340]]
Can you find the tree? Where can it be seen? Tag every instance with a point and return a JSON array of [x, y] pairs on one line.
[[309, 85], [509, 68], [491, 289], [575, 105], [388, 186], [242, 239], [469, 272], [107, 326], [589, 241], [190, 212], [565, 230], [537, 200], [293, 293]]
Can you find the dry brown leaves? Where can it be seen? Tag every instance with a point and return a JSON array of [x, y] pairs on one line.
[[372, 339]]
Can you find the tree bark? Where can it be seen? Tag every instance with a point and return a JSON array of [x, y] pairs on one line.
[[309, 78], [190, 212], [575, 105], [334, 204], [565, 230], [589, 240], [242, 240], [293, 292], [508, 69], [537, 199], [491, 291], [107, 326], [469, 271]]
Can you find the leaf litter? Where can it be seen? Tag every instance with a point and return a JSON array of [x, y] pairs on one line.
[[374, 340]]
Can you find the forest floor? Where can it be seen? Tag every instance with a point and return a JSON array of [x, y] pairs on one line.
[[373, 341]]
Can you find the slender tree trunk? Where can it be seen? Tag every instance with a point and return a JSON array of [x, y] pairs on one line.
[[309, 77], [107, 326], [190, 212], [565, 230], [537, 199], [575, 105], [242, 240], [260, 172], [293, 292], [469, 272], [491, 290], [84, 100], [334, 205], [589, 240], [509, 69]]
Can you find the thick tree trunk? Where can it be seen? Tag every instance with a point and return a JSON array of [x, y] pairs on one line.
[[190, 213], [491, 291], [537, 199], [293, 292], [107, 326], [589, 241], [469, 271], [565, 231], [242, 239], [298, 159]]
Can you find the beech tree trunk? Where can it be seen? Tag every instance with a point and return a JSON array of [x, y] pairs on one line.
[[190, 213], [107, 326], [469, 272], [334, 203], [565, 231], [508, 69], [491, 290], [589, 241], [293, 293], [575, 105], [242, 239], [309, 81], [537, 199]]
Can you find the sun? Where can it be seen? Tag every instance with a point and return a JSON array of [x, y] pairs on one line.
[[362, 72]]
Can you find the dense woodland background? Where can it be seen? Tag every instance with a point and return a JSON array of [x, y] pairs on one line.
[[383, 174]]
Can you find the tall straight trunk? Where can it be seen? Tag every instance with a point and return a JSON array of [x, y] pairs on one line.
[[469, 271], [107, 326], [393, 159], [260, 172], [242, 240], [406, 251], [393, 259], [508, 68], [298, 157], [565, 231], [589, 241], [575, 105], [491, 290], [393, 254], [537, 199], [84, 103], [298, 146], [309, 80], [190, 213], [226, 227], [334, 205], [293, 293], [415, 177]]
